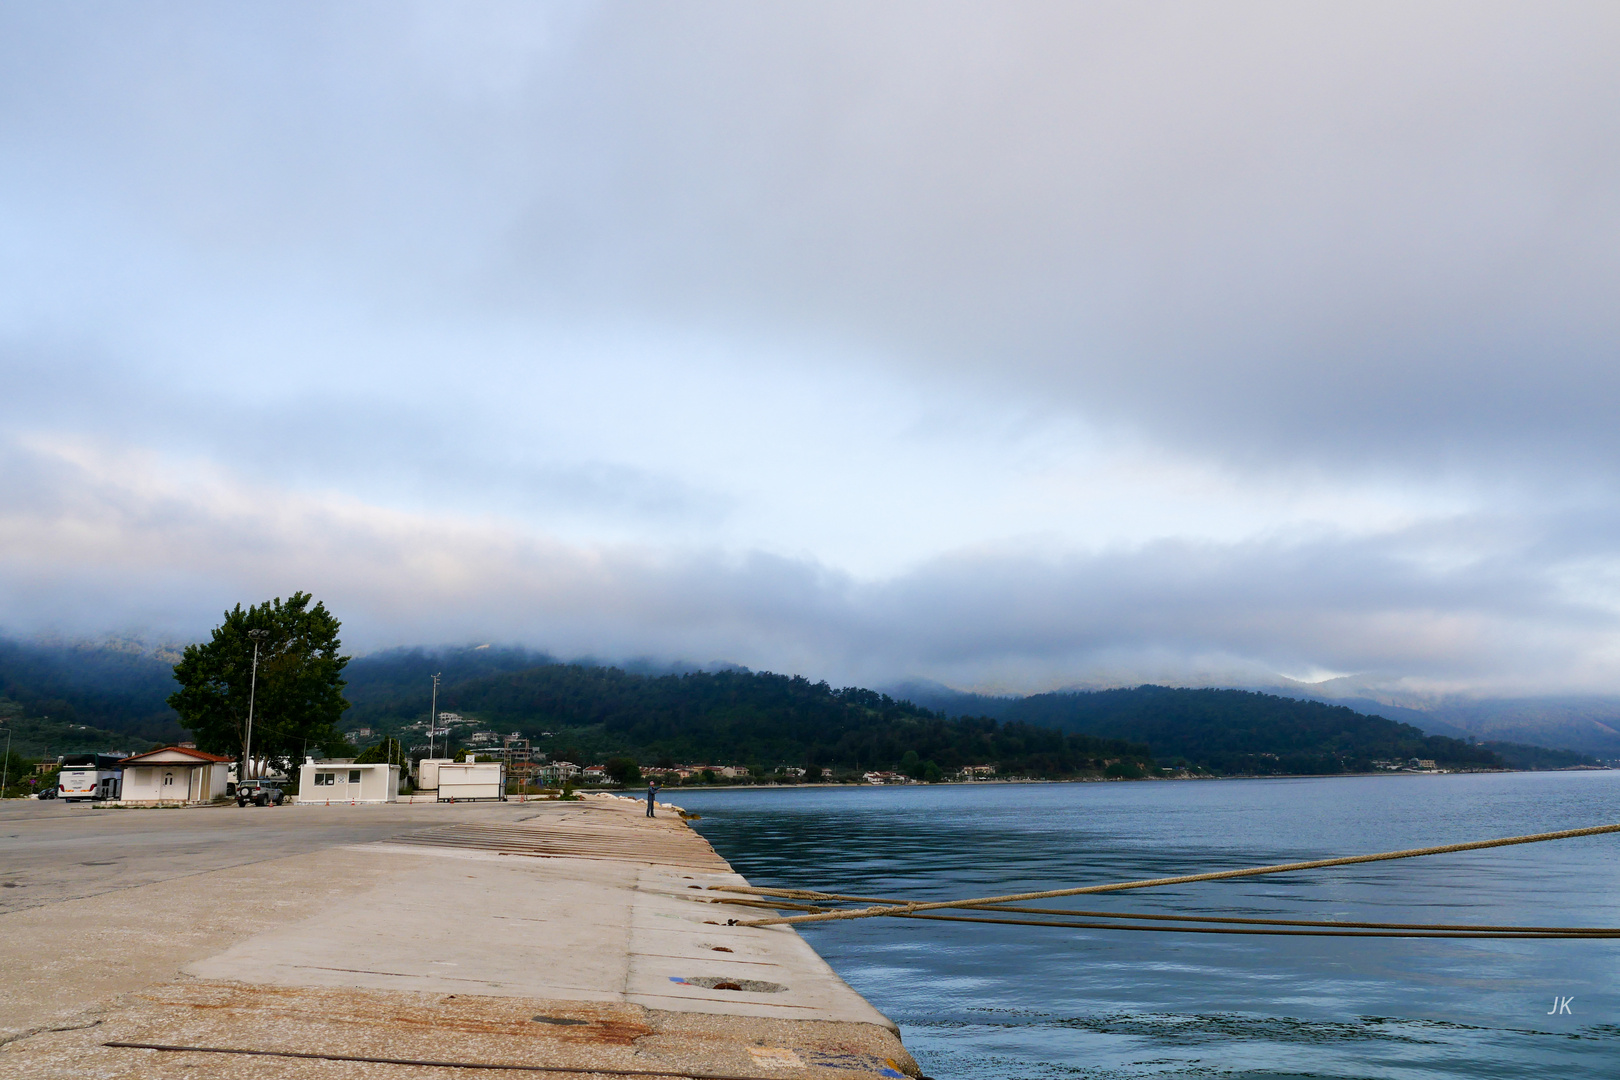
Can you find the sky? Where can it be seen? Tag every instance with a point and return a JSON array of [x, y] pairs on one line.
[[1012, 345]]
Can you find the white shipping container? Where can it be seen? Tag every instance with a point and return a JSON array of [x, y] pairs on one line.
[[472, 780]]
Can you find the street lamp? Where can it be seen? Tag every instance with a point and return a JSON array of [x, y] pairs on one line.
[[253, 688], [433, 715]]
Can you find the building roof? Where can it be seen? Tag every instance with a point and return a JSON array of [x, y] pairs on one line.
[[174, 755]]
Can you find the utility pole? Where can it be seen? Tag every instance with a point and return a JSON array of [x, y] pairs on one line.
[[253, 689], [5, 770], [433, 716]]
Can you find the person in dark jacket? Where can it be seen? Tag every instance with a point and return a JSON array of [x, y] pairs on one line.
[[652, 789]]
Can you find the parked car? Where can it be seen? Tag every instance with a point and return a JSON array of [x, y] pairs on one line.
[[259, 793], [46, 793]]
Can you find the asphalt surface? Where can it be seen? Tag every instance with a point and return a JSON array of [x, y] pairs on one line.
[[52, 851], [337, 941]]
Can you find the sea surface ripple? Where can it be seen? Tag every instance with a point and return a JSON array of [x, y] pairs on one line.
[[977, 1001]]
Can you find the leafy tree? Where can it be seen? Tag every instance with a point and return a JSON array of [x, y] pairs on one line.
[[388, 751], [812, 773], [299, 696], [18, 771], [623, 770]]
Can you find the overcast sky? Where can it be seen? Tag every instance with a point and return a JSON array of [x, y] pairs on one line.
[[1012, 345]]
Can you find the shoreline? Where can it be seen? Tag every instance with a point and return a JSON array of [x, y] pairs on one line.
[[822, 786]]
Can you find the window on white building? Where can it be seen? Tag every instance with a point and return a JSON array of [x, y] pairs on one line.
[[325, 779], [354, 776]]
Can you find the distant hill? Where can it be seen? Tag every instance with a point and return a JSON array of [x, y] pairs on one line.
[[38, 737], [117, 687], [1240, 731], [111, 695], [1586, 723], [951, 702], [1520, 756], [742, 717], [397, 684]]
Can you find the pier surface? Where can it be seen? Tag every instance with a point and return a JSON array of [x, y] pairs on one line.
[[421, 940]]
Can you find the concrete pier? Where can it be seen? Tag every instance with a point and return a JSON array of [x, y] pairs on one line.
[[569, 938]]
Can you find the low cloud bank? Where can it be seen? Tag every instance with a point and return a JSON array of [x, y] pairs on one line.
[[95, 540]]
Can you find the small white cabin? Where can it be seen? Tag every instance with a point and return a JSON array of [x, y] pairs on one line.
[[427, 773], [344, 781], [174, 775]]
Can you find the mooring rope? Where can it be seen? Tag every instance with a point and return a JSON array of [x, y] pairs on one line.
[[1403, 928], [1588, 934], [1183, 879]]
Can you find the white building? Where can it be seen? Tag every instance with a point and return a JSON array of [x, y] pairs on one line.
[[886, 778], [730, 772], [346, 782], [174, 775]]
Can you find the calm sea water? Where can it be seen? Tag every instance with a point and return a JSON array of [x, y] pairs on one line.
[[1007, 1002]]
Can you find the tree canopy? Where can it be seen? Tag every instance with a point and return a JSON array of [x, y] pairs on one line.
[[299, 697]]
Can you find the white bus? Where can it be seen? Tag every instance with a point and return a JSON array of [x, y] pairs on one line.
[[90, 776]]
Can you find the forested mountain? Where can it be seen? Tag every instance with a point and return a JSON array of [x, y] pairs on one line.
[[1240, 731], [747, 718], [91, 693], [114, 697], [1522, 756]]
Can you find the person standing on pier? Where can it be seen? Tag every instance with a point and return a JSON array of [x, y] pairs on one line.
[[652, 790]]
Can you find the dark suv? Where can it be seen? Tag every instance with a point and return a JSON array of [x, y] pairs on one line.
[[259, 793]]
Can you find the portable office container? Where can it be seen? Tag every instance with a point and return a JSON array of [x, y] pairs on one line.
[[343, 781], [427, 773]]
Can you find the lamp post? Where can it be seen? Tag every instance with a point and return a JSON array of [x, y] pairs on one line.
[[253, 689], [433, 715]]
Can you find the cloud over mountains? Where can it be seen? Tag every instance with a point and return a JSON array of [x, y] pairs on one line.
[[1015, 346]]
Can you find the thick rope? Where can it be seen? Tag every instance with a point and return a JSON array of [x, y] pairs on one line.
[[1460, 928], [1184, 879], [1273, 932]]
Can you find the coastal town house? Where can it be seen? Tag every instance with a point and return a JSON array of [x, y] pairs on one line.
[[174, 776]]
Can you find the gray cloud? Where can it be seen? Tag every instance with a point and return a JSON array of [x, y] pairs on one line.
[[1376, 236], [166, 547], [441, 308]]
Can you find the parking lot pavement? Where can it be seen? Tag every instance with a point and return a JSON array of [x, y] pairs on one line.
[[52, 851], [351, 940]]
